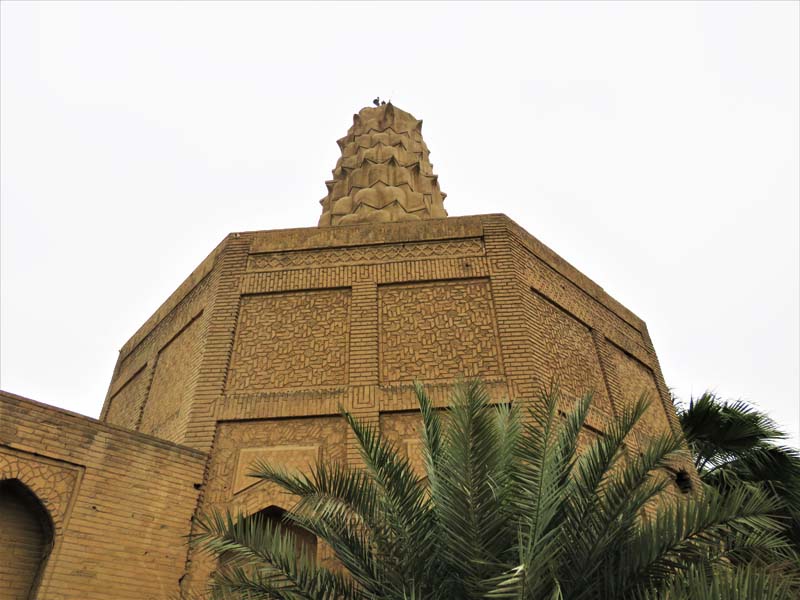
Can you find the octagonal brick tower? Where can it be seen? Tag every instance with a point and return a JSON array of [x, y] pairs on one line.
[[255, 352]]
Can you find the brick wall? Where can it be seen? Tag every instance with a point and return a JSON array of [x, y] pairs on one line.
[[293, 444], [120, 502], [25, 537], [277, 330]]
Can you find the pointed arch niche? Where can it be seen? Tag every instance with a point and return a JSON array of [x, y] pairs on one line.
[[36, 498], [26, 537], [305, 541]]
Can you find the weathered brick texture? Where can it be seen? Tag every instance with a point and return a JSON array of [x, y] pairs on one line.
[[258, 350], [291, 340], [25, 537], [120, 502]]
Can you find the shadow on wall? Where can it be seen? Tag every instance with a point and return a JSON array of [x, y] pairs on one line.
[[26, 538], [305, 541]]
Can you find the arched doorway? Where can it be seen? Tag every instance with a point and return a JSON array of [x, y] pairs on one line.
[[305, 541], [26, 537]]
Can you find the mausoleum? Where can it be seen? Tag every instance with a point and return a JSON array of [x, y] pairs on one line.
[[253, 354]]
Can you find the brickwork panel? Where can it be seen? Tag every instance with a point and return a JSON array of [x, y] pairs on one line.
[[404, 431], [121, 502], [125, 406], [169, 402], [565, 353], [636, 379], [553, 285], [238, 440], [291, 340], [359, 255], [52, 483], [293, 458], [437, 331], [237, 443], [162, 332]]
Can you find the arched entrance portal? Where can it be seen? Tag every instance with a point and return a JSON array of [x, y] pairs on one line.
[[26, 537], [305, 542]]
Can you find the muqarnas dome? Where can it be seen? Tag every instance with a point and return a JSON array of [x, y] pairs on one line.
[[384, 173]]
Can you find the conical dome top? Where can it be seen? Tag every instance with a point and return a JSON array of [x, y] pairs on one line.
[[384, 173]]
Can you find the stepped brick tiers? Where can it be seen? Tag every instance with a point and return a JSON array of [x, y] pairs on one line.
[[253, 354], [384, 174]]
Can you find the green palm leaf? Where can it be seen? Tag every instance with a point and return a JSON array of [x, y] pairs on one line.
[[515, 505]]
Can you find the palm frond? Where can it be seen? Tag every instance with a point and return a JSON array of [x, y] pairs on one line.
[[472, 525], [750, 582], [691, 532], [516, 505], [262, 561]]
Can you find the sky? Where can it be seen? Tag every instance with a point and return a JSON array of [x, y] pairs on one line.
[[655, 146]]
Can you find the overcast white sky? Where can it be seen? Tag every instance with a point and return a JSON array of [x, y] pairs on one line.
[[654, 146]]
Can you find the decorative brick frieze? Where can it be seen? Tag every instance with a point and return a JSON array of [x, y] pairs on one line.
[[365, 255]]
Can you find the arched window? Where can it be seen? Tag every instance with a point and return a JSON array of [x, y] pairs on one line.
[[26, 537]]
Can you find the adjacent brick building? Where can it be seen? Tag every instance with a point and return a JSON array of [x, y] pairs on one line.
[[255, 352]]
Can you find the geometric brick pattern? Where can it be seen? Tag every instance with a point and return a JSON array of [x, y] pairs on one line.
[[291, 340], [237, 444], [274, 261], [564, 350], [145, 347], [125, 407], [169, 401], [437, 331], [294, 459], [53, 484], [404, 431], [566, 293], [635, 380], [296, 323]]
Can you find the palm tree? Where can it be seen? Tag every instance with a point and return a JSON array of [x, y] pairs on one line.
[[733, 443], [509, 508]]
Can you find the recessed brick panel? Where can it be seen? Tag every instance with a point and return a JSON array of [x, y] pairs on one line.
[[565, 353], [436, 331], [291, 340], [169, 402], [126, 405], [635, 380]]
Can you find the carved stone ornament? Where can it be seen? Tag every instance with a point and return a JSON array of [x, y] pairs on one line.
[[384, 173]]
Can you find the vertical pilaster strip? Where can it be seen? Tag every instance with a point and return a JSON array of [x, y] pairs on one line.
[[149, 374], [223, 311], [613, 384], [610, 380], [220, 319], [362, 404], [364, 334], [363, 376], [661, 385], [509, 296]]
